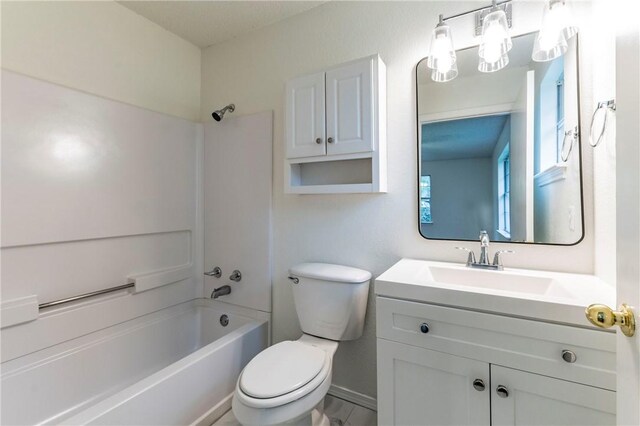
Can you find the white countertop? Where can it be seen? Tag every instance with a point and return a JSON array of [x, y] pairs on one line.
[[544, 295]]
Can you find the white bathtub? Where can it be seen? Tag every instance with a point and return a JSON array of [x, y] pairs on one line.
[[173, 367]]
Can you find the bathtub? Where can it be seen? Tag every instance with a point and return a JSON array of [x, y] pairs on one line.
[[176, 366]]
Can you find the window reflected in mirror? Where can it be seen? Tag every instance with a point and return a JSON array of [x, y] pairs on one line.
[[493, 150]]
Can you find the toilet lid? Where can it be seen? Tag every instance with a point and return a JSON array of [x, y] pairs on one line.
[[281, 369]]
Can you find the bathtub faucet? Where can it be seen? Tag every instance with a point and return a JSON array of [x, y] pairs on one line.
[[221, 291]]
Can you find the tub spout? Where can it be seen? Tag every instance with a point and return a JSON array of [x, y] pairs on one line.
[[220, 291]]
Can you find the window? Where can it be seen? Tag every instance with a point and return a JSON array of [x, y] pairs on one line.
[[504, 189], [559, 116], [425, 199]]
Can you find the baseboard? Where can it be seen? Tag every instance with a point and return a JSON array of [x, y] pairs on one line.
[[354, 397]]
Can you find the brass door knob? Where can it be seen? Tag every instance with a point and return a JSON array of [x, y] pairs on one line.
[[605, 317]]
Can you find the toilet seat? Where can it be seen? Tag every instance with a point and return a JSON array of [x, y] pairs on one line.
[[282, 373]]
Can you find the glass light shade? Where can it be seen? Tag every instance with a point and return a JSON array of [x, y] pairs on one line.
[[444, 76], [442, 55], [486, 66], [556, 29], [496, 41]]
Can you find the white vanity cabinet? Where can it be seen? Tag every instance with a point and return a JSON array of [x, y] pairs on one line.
[[447, 366], [336, 129]]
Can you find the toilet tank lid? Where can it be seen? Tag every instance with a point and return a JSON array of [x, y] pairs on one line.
[[329, 272]]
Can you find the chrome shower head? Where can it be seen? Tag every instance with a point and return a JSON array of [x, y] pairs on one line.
[[219, 114]]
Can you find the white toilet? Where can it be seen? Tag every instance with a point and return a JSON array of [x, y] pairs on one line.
[[287, 382]]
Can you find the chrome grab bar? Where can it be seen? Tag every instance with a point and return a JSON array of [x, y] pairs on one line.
[[85, 295]]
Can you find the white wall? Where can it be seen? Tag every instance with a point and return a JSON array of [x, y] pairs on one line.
[[366, 231], [95, 191], [461, 198], [237, 207], [102, 48]]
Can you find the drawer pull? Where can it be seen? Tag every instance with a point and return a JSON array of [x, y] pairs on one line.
[[424, 327], [478, 385], [502, 391], [318, 141], [569, 356]]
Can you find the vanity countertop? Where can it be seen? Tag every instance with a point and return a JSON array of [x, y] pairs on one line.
[[543, 295]]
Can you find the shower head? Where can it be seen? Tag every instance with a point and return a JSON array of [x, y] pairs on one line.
[[217, 115]]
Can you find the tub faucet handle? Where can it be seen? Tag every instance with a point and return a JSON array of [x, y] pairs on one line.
[[236, 276], [215, 272]]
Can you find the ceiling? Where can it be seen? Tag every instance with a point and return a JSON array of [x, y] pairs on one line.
[[204, 23], [465, 138]]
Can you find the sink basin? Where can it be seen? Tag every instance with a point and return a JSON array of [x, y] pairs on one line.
[[498, 280], [551, 296]]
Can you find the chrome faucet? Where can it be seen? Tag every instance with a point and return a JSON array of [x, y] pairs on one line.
[[484, 248], [220, 291], [484, 263]]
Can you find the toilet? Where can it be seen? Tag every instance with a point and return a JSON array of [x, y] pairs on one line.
[[287, 382]]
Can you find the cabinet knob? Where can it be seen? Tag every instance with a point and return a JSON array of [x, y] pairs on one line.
[[319, 141], [502, 391], [478, 384], [569, 356], [330, 140], [424, 327]]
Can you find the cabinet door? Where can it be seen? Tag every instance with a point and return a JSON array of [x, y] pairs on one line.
[[532, 399], [422, 387], [350, 108], [305, 119]]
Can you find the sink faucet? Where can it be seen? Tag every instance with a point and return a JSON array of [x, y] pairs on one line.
[[484, 248], [221, 291], [484, 263]]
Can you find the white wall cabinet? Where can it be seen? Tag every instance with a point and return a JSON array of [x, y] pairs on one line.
[[306, 131], [336, 129], [447, 366]]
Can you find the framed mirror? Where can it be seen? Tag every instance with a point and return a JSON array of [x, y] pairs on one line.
[[500, 151]]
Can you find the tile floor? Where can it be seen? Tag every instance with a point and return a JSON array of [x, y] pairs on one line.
[[341, 413]]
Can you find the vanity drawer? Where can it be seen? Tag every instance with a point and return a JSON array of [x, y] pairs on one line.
[[512, 342]]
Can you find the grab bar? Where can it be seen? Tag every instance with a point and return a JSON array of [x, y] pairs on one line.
[[86, 295]]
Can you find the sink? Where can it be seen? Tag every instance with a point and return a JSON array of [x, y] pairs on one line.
[[498, 280], [551, 296]]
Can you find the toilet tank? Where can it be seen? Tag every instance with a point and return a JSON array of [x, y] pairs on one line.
[[331, 300]]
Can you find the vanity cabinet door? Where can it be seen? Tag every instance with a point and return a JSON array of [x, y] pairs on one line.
[[305, 121], [422, 387], [350, 108], [521, 398]]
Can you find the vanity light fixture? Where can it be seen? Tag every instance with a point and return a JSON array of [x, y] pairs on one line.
[[492, 23], [442, 56], [496, 41], [555, 31]]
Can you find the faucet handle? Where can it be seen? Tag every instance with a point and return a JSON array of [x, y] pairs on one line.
[[472, 256], [497, 259]]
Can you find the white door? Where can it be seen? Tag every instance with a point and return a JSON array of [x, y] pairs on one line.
[[628, 219], [305, 116], [521, 398], [422, 387], [350, 108]]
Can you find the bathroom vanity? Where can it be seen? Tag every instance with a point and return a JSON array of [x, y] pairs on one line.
[[459, 346]]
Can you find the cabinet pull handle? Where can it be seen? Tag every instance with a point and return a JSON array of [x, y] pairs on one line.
[[478, 384], [318, 141], [569, 356], [424, 327], [330, 140], [502, 391]]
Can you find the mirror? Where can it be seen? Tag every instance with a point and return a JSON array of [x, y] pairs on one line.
[[500, 151]]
